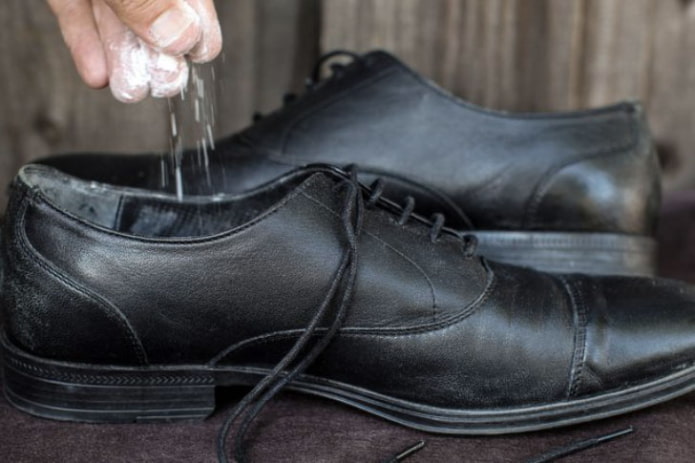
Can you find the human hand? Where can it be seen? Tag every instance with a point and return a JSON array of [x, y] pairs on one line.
[[138, 47]]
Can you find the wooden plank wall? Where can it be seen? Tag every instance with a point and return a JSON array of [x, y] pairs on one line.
[[517, 55]]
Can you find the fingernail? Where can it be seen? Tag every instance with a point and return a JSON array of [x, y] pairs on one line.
[[210, 46], [179, 24]]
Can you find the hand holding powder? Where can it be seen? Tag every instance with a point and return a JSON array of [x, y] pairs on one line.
[[138, 47]]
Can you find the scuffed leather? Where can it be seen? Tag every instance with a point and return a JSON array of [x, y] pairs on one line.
[[426, 323], [631, 326], [586, 171], [49, 313]]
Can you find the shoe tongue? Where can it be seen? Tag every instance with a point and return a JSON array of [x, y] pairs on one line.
[[376, 62], [317, 184], [381, 59], [368, 66], [320, 186]]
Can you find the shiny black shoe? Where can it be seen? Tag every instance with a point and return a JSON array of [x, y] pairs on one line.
[[564, 192], [123, 305]]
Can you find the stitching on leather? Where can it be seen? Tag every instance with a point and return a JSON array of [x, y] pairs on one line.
[[126, 379], [369, 332], [607, 242], [544, 184], [112, 312], [625, 107], [399, 253], [416, 184], [119, 213], [578, 357], [583, 318]]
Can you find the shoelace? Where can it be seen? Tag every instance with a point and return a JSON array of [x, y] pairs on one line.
[[576, 447], [298, 358], [547, 457], [341, 289], [337, 70], [437, 221], [413, 449]]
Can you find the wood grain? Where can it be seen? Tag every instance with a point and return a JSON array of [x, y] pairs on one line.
[[270, 46], [46, 109], [489, 51]]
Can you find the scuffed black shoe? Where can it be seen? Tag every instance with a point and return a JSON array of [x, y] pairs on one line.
[[564, 192], [120, 307]]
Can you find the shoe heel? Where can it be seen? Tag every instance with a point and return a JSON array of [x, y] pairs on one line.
[[104, 394]]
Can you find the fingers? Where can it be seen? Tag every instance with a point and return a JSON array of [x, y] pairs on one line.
[[138, 46], [170, 26], [127, 60], [168, 74], [82, 38], [135, 69], [210, 44]]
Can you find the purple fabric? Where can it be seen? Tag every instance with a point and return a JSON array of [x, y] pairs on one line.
[[301, 429], [677, 236]]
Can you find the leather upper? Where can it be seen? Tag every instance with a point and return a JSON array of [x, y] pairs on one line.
[[587, 171], [426, 322]]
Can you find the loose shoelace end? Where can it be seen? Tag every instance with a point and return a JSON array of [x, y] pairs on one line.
[[406, 453], [561, 452]]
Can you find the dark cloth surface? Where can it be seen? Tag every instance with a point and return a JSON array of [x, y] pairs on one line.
[[300, 429], [677, 236], [303, 429]]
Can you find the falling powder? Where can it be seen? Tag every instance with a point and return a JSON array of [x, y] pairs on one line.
[[194, 115]]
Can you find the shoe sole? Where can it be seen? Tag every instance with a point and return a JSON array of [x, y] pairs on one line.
[[110, 394], [590, 253]]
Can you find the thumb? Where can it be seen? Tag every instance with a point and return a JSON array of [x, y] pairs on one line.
[[171, 26]]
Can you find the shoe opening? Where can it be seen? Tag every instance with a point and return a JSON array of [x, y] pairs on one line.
[[151, 213]]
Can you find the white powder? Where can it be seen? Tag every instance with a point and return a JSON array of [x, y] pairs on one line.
[[140, 70], [130, 77], [168, 74], [199, 103], [162, 87], [166, 63]]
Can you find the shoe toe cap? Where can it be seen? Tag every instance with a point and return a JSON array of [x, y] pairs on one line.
[[632, 331]]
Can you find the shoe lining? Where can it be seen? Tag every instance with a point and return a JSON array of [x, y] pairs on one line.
[[150, 214]]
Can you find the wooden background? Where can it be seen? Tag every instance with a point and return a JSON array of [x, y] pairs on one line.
[[517, 55]]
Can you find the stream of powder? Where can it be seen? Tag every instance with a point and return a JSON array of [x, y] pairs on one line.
[[193, 116]]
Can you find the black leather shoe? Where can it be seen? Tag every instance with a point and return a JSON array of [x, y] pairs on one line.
[[566, 192], [120, 308]]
